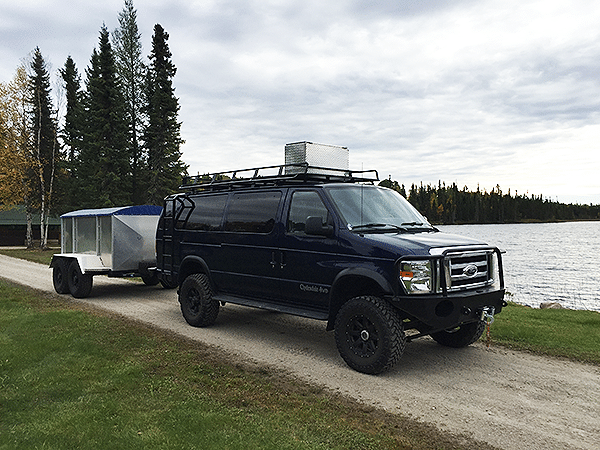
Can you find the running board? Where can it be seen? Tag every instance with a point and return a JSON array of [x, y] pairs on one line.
[[287, 309]]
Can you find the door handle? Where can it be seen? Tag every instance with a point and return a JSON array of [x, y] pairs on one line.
[[282, 261]]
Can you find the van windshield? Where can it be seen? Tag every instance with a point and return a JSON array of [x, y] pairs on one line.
[[373, 208]]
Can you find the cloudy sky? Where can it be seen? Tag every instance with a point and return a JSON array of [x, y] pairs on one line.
[[474, 92]]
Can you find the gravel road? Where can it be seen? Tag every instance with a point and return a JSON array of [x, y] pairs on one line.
[[511, 400]]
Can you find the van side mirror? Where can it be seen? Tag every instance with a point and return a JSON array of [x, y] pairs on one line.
[[314, 226]]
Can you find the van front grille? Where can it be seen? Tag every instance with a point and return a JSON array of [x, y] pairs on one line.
[[468, 270]]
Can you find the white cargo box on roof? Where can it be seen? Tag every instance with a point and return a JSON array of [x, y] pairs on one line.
[[318, 155]]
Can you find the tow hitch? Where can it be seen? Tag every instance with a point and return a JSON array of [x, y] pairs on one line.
[[487, 316]]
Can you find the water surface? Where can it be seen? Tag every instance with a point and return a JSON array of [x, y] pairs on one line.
[[546, 262]]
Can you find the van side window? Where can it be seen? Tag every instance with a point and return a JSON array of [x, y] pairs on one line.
[[207, 213], [252, 212], [304, 204]]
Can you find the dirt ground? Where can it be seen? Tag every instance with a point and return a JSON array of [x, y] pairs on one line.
[[511, 400]]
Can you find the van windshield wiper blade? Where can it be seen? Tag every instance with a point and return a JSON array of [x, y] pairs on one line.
[[377, 227], [419, 226]]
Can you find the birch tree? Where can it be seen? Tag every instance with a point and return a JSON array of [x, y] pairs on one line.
[[15, 152]]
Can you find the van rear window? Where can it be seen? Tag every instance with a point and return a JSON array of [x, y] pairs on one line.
[[252, 212], [207, 213]]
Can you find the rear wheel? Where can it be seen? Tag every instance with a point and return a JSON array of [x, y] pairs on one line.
[[80, 284], [369, 335], [60, 277], [460, 336], [198, 307], [150, 278]]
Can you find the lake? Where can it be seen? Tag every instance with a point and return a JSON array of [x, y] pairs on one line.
[[545, 262]]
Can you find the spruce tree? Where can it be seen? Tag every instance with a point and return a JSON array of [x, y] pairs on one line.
[[162, 134], [103, 163], [44, 140], [71, 136], [130, 72]]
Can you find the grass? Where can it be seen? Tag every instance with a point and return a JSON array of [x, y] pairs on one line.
[[77, 378], [34, 255], [573, 334]]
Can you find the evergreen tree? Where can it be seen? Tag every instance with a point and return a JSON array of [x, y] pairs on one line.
[[162, 134], [103, 163], [72, 132], [44, 146], [71, 136], [130, 71]]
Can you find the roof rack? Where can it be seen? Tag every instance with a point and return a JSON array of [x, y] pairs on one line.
[[277, 175]]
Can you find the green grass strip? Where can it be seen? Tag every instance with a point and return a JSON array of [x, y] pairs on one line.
[[572, 334]]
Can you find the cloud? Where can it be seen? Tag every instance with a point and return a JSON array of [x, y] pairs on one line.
[[467, 91]]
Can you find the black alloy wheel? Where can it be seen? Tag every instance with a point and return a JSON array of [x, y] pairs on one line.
[[198, 307], [369, 334]]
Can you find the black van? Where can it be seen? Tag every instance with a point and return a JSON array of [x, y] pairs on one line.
[[331, 245]]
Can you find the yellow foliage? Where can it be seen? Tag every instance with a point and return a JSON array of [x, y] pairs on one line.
[[15, 157]]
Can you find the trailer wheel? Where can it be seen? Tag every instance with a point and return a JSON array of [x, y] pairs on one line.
[[369, 335], [60, 277], [80, 285], [460, 336], [150, 278], [198, 307]]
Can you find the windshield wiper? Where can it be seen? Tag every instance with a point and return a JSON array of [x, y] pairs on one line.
[[419, 226], [373, 226]]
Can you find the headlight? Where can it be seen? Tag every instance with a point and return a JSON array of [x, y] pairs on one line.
[[417, 276]]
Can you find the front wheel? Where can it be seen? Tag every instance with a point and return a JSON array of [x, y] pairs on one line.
[[369, 335], [460, 336], [198, 307]]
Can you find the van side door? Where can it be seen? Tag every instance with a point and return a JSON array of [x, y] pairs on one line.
[[308, 261], [248, 244]]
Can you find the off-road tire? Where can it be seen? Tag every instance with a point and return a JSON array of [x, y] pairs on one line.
[[460, 336], [60, 276], [198, 307], [369, 334], [80, 285]]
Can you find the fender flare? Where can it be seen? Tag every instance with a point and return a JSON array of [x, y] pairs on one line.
[[192, 260], [337, 297]]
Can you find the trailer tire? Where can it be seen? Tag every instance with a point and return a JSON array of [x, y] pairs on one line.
[[60, 278], [460, 336], [369, 334], [198, 306], [150, 278], [80, 284]]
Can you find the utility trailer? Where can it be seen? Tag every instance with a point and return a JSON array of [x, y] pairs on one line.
[[117, 242]]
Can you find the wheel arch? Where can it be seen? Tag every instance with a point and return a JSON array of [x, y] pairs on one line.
[[355, 282], [192, 264]]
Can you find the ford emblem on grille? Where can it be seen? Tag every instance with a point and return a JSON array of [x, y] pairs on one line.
[[470, 270]]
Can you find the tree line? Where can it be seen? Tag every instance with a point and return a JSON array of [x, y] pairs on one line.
[[447, 205], [111, 140]]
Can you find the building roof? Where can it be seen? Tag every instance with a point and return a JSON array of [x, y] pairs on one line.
[[16, 216]]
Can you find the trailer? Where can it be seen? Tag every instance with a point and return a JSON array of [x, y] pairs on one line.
[[116, 242]]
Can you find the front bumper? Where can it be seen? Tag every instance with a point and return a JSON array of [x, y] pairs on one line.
[[440, 312]]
